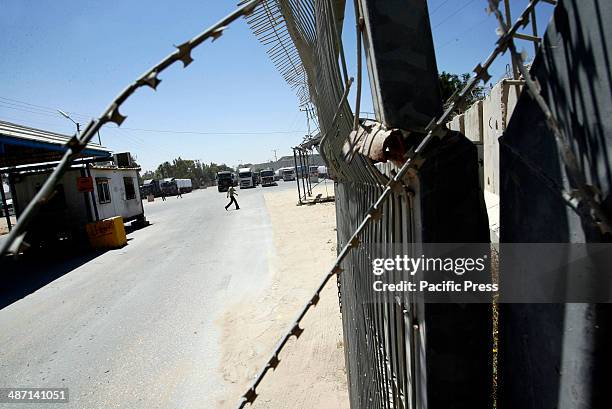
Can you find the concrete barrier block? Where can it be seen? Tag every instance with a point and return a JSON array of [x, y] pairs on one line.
[[457, 124], [473, 123], [510, 97], [493, 128]]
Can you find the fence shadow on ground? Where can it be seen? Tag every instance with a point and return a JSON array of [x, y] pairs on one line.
[[22, 276]]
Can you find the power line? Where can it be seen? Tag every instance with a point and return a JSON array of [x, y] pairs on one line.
[[23, 120], [209, 132], [42, 108], [36, 111], [31, 111], [456, 38], [438, 8], [454, 14], [52, 112], [26, 106], [10, 100], [182, 131]]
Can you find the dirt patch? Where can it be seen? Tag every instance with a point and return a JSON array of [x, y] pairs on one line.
[[311, 373], [4, 226]]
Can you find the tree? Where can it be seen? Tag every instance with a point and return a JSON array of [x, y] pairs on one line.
[[451, 83], [134, 159], [148, 175], [200, 173]]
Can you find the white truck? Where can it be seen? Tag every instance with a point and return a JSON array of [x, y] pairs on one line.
[[288, 174], [246, 178], [172, 186], [267, 178], [313, 174], [184, 185]]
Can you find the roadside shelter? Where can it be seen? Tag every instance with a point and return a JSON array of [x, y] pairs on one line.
[[92, 189]]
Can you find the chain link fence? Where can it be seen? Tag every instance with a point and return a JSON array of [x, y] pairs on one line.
[[396, 188]]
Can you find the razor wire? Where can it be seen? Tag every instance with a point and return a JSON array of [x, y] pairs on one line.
[[77, 143], [389, 372], [312, 67]]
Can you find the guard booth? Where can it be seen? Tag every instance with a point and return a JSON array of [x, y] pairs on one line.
[[97, 186]]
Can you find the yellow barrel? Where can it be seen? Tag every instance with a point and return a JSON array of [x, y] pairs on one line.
[[107, 233]]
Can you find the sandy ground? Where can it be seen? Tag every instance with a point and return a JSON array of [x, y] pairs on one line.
[[311, 373], [4, 226]]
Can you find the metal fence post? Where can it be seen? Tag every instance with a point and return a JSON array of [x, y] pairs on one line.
[[304, 189], [401, 63], [297, 180], [5, 207]]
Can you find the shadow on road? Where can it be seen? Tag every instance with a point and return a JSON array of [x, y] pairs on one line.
[[22, 276]]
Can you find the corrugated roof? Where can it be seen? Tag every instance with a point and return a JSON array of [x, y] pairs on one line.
[[20, 145], [114, 167]]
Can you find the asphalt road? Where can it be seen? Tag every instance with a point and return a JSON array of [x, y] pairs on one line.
[[135, 327]]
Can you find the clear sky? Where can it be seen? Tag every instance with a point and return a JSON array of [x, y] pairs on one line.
[[76, 55]]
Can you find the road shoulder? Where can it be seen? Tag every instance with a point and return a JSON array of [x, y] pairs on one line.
[[311, 372]]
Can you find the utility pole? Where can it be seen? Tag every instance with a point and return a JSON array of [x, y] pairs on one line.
[[307, 119], [275, 157], [78, 126]]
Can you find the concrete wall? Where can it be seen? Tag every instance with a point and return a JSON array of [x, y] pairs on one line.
[[558, 355], [403, 73], [458, 124], [497, 109], [483, 123], [473, 123]]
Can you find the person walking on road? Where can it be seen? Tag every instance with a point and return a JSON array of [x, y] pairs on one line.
[[179, 194], [231, 192], [163, 195]]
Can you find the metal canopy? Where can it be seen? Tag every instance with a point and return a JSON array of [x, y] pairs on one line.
[[22, 145]]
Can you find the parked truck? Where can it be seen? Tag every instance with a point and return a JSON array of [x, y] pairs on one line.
[[267, 178], [225, 179], [288, 174], [168, 186], [323, 172], [313, 174], [151, 187], [184, 185], [246, 177], [172, 186]]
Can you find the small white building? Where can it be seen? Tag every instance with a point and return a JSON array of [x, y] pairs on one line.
[[86, 193], [97, 186]]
